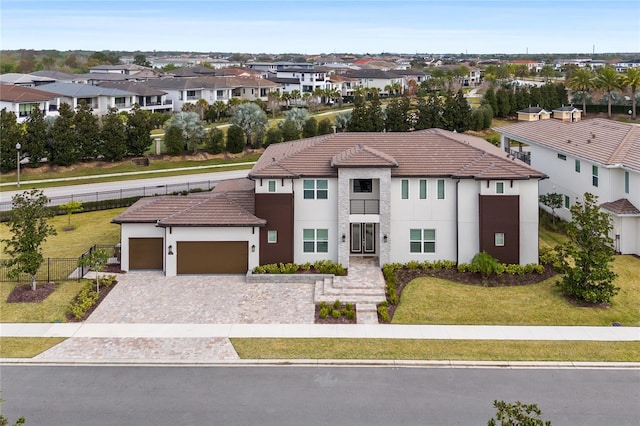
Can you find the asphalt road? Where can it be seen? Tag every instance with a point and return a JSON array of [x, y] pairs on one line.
[[128, 188], [241, 395]]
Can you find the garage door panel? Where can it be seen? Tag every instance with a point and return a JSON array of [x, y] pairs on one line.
[[212, 257], [145, 253]]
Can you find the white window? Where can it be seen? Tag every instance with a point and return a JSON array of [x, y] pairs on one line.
[[405, 189], [499, 187], [315, 189], [440, 189], [363, 185], [422, 240], [423, 189], [272, 185], [499, 239], [315, 240], [272, 237]]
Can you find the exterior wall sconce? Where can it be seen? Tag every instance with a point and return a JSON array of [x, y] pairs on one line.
[[384, 238], [253, 248], [344, 238], [170, 252]]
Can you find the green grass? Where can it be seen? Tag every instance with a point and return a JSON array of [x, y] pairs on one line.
[[483, 350], [90, 228], [52, 309], [93, 174], [26, 347], [437, 301]]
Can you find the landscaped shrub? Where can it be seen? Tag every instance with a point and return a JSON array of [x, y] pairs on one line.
[[323, 267], [336, 313], [383, 311], [484, 263], [324, 312], [351, 315], [86, 298]]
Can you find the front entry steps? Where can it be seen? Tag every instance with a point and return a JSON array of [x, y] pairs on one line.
[[364, 287]]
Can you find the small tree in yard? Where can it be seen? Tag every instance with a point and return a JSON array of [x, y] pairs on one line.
[[29, 228], [517, 414], [71, 207], [553, 201], [97, 261], [585, 260]]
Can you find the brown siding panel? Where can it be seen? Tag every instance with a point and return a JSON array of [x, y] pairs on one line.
[[145, 253], [212, 257], [277, 210], [500, 213]]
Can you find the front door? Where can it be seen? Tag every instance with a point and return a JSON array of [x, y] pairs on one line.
[[363, 238]]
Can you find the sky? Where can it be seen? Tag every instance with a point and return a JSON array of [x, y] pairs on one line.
[[317, 26]]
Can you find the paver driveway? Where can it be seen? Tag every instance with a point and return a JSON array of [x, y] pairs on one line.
[[150, 297]]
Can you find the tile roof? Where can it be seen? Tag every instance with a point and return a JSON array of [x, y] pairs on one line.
[[231, 205], [18, 78], [11, 93], [137, 87], [433, 152], [621, 207], [598, 140], [82, 90]]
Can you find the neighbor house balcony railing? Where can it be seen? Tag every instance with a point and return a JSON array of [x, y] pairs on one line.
[[364, 207]]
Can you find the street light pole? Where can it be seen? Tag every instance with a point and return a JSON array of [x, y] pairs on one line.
[[18, 146]]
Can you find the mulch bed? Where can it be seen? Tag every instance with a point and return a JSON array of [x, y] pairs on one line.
[[113, 268], [331, 320], [24, 294]]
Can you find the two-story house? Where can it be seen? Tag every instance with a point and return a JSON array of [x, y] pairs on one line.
[[23, 100], [309, 79], [98, 98], [596, 155], [398, 197]]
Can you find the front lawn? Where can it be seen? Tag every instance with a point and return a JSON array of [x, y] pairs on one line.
[[52, 309], [90, 228], [436, 301], [26, 347]]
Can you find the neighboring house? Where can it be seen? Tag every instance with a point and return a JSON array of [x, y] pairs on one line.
[[533, 114], [274, 67], [148, 98], [98, 98], [622, 66], [126, 69], [376, 79], [309, 79], [22, 100], [598, 156], [189, 90], [24, 80], [474, 78], [567, 113], [420, 196], [343, 84], [532, 66]]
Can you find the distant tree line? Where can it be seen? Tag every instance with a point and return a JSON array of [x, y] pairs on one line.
[[506, 100]]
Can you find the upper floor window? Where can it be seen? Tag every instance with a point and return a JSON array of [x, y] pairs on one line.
[[316, 189], [219, 93], [499, 187], [272, 236], [594, 173], [562, 157], [272, 185], [577, 165], [626, 182], [423, 189], [362, 185], [405, 189], [567, 202], [440, 189]]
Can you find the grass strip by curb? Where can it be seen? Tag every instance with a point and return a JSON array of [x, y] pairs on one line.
[[26, 347], [409, 349]]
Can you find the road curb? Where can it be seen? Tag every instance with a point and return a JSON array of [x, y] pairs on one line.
[[326, 363]]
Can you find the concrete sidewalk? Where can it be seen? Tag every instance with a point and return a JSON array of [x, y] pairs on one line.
[[358, 331]]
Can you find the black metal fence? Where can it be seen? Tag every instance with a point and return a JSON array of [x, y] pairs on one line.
[[61, 269], [123, 193]]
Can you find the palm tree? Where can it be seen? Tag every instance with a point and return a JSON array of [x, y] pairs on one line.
[[201, 106], [220, 108], [582, 81], [631, 79], [608, 79], [547, 72]]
